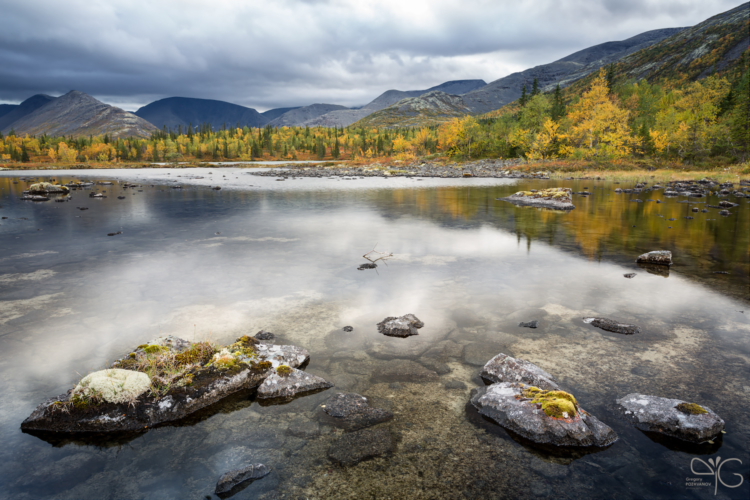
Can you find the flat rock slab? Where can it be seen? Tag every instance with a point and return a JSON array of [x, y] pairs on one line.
[[352, 411], [403, 370], [352, 448], [554, 198], [612, 326], [403, 326], [278, 386], [229, 480], [655, 414], [659, 257], [395, 348], [504, 403], [503, 368]]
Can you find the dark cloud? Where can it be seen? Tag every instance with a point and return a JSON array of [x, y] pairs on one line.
[[282, 53]]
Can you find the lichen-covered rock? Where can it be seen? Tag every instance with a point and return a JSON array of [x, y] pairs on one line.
[[556, 198], [354, 447], [659, 257], [352, 411], [613, 326], [296, 382], [503, 368], [672, 417], [549, 417], [47, 187], [113, 385], [404, 326], [202, 375], [229, 480]]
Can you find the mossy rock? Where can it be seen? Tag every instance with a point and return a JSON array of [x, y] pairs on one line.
[[283, 371], [555, 404], [691, 409]]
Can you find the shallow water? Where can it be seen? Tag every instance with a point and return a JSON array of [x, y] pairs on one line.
[[282, 256]]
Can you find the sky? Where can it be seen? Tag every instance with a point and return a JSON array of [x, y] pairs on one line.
[[268, 54]]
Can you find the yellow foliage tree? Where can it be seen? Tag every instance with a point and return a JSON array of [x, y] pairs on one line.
[[598, 126]]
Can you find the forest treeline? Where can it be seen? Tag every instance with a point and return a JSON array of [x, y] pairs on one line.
[[609, 120]]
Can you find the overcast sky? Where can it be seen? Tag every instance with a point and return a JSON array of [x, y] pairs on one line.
[[265, 54]]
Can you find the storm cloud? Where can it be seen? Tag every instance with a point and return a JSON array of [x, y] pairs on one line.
[[265, 54]]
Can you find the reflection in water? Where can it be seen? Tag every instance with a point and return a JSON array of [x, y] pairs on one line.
[[472, 268]]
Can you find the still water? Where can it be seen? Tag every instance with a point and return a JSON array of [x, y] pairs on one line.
[[282, 256]]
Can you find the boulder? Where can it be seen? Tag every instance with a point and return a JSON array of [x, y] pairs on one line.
[[613, 326], [203, 376], [658, 257], [548, 417], [673, 417], [264, 335], [229, 480], [503, 368], [288, 383], [354, 447], [352, 411], [555, 198], [403, 326], [47, 187]]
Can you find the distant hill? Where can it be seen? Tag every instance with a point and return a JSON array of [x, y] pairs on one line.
[[183, 111], [428, 109], [18, 111], [272, 114], [299, 116], [343, 118], [77, 114], [7, 108]]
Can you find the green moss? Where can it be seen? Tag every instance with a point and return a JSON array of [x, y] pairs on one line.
[[155, 349], [262, 366], [127, 364], [690, 409], [284, 371], [198, 354], [131, 355], [555, 404]]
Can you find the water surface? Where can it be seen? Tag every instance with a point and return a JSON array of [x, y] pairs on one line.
[[282, 256]]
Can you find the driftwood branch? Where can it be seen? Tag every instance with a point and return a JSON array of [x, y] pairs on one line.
[[374, 256]]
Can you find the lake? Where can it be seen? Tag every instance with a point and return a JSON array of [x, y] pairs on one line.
[[282, 256]]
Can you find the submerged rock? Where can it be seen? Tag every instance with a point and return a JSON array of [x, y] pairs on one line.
[[672, 417], [229, 480], [630, 275], [550, 417], [403, 370], [503, 368], [202, 375], [659, 257], [283, 384], [348, 329], [529, 324], [352, 448], [352, 411], [367, 265], [613, 326], [555, 198], [403, 326], [655, 269]]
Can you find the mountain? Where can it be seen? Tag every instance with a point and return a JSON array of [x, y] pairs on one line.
[[20, 110], [694, 53], [343, 118], [299, 116], [428, 109], [183, 111], [7, 108], [272, 114], [78, 114]]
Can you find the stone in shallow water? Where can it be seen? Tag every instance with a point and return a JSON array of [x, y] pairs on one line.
[[555, 198], [229, 480], [529, 324], [264, 335], [394, 348], [352, 448], [478, 353], [403, 370], [276, 386], [508, 405], [613, 326], [352, 411], [630, 275], [403, 326], [672, 417], [660, 257], [503, 368], [306, 429], [454, 384]]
